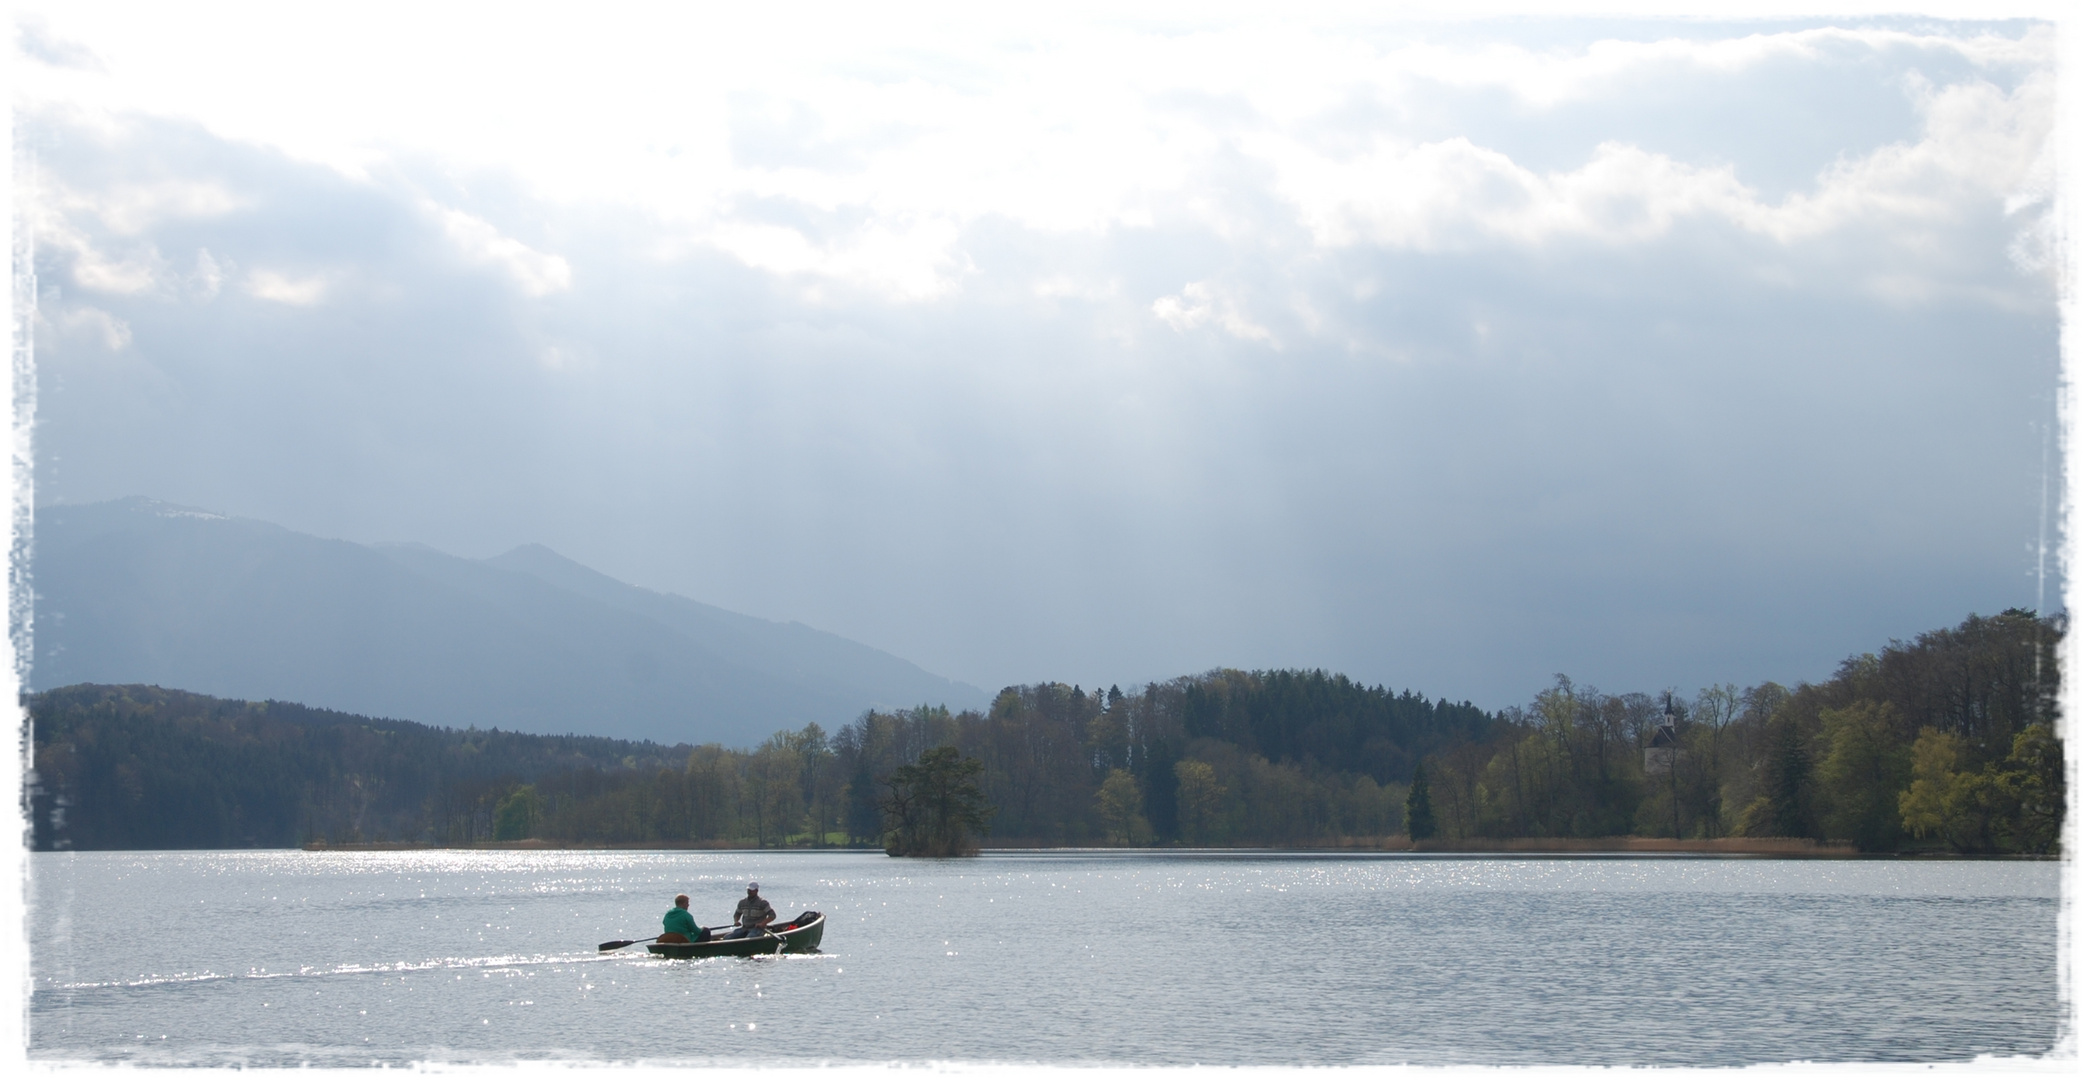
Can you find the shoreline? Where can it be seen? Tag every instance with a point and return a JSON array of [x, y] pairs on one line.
[[1781, 847], [1733, 847], [553, 845]]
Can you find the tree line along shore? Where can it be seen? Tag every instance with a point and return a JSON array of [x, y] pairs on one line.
[[1945, 743], [1780, 847]]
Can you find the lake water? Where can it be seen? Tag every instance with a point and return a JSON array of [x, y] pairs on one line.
[[284, 958]]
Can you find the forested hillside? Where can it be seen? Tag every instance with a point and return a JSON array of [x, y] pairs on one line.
[[143, 767], [1228, 756], [1946, 741], [1942, 742]]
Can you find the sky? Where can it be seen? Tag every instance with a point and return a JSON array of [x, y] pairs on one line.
[[1099, 348]]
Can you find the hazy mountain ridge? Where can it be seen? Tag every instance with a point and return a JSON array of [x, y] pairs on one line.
[[138, 590], [790, 649]]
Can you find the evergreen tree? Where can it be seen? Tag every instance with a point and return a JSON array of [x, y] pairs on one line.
[[1419, 806], [863, 813], [1785, 807]]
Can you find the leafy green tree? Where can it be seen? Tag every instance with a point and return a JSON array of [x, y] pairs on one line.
[[1200, 799], [1923, 807], [935, 804], [2036, 765], [1863, 770], [818, 780], [515, 817], [773, 789], [714, 792], [2013, 805], [1419, 806], [1978, 806], [1117, 802]]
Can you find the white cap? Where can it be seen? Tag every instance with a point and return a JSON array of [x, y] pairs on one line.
[[753, 886]]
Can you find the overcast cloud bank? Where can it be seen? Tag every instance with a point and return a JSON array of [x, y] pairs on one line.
[[1447, 356]]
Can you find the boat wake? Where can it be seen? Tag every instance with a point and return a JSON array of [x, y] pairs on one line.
[[487, 964]]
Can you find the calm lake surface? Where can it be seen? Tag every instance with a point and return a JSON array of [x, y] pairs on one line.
[[331, 958]]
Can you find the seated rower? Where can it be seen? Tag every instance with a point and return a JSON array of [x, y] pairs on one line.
[[680, 925], [752, 916]]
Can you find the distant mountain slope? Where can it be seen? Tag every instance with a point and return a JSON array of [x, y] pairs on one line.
[[140, 591], [785, 650]]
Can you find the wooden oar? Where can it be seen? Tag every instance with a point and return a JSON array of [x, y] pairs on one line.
[[781, 942], [612, 946]]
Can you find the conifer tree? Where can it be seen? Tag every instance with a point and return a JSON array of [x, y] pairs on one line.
[[1419, 806]]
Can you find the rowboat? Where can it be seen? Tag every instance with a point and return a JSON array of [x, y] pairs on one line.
[[799, 935]]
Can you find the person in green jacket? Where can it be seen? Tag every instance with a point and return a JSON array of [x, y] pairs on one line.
[[680, 925]]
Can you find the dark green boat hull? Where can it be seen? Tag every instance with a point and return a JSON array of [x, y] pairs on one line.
[[804, 938]]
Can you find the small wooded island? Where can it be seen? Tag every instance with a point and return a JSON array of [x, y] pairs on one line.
[[1943, 743]]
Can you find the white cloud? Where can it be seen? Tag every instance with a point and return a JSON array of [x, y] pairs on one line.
[[1069, 287], [1551, 78], [538, 274], [93, 270], [35, 42], [1199, 304], [284, 289], [91, 322], [1980, 146], [209, 277], [898, 260], [910, 130], [133, 209], [89, 266], [901, 135], [67, 220], [1447, 194]]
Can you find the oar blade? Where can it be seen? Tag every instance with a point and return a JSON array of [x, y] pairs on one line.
[[612, 946]]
